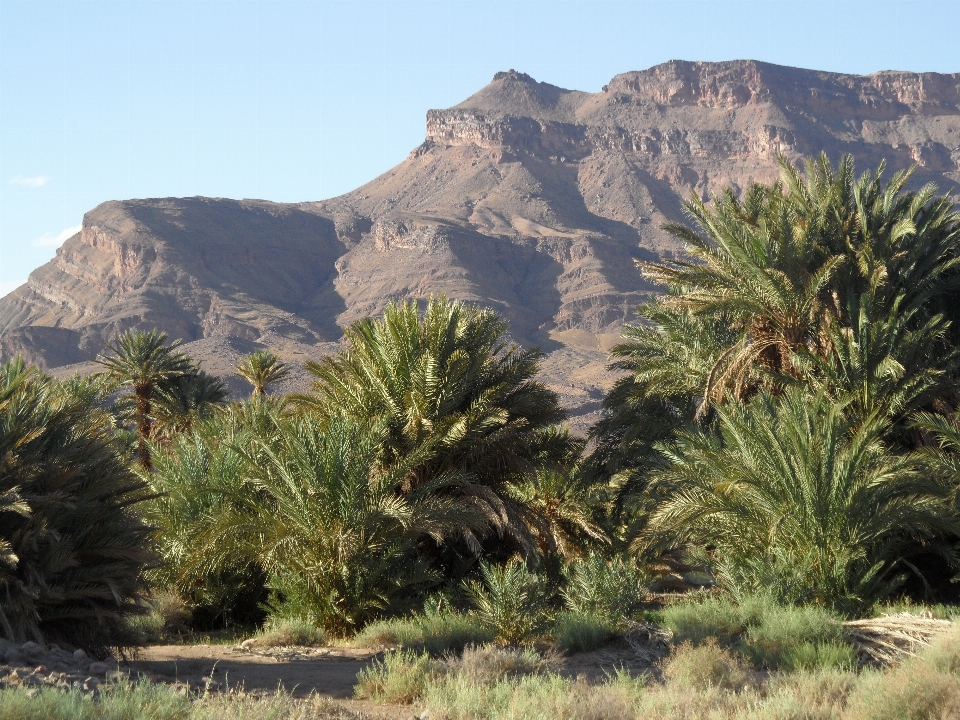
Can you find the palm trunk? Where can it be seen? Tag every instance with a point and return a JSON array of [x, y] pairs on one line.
[[143, 394]]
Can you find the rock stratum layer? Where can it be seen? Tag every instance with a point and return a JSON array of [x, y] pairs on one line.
[[526, 197]]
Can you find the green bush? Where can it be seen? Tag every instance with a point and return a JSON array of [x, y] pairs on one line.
[[792, 638], [400, 677], [436, 633], [290, 631], [704, 666], [611, 589], [712, 617], [511, 602], [574, 632], [768, 634], [72, 550]]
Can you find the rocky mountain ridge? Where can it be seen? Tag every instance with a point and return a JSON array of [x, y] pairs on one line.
[[526, 197]]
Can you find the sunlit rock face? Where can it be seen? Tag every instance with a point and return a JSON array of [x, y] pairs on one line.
[[526, 197]]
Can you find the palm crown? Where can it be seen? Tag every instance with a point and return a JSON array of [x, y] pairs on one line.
[[143, 360], [260, 369]]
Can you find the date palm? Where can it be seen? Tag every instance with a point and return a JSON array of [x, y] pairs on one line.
[[179, 403], [795, 499], [451, 391], [142, 361], [72, 551], [316, 511], [786, 263], [260, 369]]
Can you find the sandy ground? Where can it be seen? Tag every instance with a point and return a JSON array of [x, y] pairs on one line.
[[330, 671], [327, 671]]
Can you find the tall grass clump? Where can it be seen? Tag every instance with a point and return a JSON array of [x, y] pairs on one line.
[[436, 633], [763, 632], [576, 632], [399, 677]]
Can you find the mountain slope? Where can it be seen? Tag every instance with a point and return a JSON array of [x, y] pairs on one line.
[[526, 197]]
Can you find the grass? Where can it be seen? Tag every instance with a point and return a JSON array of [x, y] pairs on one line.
[[290, 631], [436, 633], [765, 634], [400, 677], [574, 632], [144, 701], [815, 679]]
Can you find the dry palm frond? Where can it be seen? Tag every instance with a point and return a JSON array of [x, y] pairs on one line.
[[888, 639], [647, 643]]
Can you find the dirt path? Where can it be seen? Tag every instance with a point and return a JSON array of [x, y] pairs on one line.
[[331, 672], [327, 671]]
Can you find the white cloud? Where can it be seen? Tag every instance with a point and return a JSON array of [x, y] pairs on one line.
[[51, 240], [34, 182], [8, 286]]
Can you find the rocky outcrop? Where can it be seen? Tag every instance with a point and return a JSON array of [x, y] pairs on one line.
[[526, 197]]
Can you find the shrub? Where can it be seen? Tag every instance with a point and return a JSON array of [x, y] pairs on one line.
[[704, 666], [603, 588], [511, 602], [290, 631], [72, 551], [792, 638], [574, 632], [485, 664], [697, 620], [770, 635], [400, 677], [436, 633]]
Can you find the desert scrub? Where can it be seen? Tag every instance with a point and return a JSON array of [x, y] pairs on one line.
[[400, 677], [575, 632], [926, 686], [704, 666], [769, 635], [534, 697], [289, 631], [794, 638], [145, 701], [436, 633], [404, 676]]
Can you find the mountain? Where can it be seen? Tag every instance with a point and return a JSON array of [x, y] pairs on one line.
[[526, 197]]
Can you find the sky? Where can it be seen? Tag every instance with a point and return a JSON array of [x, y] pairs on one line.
[[304, 100]]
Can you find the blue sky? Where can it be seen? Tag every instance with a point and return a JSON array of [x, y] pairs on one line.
[[291, 101]]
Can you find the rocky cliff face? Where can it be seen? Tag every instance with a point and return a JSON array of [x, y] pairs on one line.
[[526, 197]]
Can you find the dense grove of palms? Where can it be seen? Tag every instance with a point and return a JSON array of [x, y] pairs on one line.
[[785, 421]]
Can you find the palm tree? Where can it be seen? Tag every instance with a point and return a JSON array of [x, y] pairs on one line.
[[260, 369], [453, 395], [180, 402], [666, 362], [72, 551], [786, 263], [797, 500], [559, 506], [142, 361], [314, 510]]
